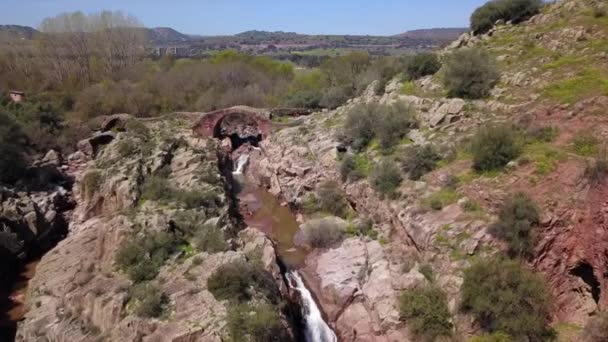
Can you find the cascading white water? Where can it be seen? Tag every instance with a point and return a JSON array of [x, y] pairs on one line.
[[240, 164], [316, 328]]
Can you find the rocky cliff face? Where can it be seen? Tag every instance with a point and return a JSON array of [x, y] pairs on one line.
[[570, 254], [79, 293]]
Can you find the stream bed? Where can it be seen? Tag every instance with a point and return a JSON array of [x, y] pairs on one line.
[[263, 211], [12, 308]]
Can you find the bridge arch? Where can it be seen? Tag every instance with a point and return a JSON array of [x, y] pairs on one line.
[[240, 124]]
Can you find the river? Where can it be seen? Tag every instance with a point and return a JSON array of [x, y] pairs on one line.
[[12, 308], [263, 211]]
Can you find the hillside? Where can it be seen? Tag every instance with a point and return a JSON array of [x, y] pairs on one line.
[[459, 195]]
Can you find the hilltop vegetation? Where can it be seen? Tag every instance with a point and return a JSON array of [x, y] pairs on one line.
[[83, 67]]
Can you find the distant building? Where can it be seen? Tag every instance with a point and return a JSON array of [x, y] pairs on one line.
[[16, 96]]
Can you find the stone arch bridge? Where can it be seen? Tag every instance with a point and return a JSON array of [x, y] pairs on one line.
[[241, 123]]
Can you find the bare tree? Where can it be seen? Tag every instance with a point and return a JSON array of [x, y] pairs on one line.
[[82, 48]]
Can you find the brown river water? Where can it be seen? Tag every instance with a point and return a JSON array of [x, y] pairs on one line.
[[263, 211], [12, 309]]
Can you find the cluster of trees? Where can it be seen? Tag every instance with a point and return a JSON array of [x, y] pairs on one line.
[[75, 49], [516, 11]]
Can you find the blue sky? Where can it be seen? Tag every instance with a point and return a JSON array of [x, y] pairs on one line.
[[210, 17]]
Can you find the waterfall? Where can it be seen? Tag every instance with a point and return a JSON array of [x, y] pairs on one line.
[[240, 164], [316, 328]]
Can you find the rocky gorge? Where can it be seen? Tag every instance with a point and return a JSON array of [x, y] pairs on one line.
[[248, 180]]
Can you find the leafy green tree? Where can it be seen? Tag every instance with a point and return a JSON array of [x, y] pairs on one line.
[[505, 297], [470, 73], [343, 71]]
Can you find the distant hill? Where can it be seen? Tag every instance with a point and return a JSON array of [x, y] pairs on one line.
[[443, 35], [168, 40], [163, 35], [17, 32]]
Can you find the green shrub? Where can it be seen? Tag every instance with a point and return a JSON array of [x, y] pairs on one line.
[[334, 97], [12, 149], [137, 128], [237, 281], [426, 312], [322, 233], [307, 99], [256, 324], [126, 148], [421, 160], [143, 257], [542, 134], [191, 199], [599, 12], [210, 239], [392, 123], [494, 147], [207, 238], [596, 329], [585, 144], [470, 73], [388, 124], [359, 126], [427, 271], [443, 198], [471, 206], [408, 88], [517, 223], [91, 182], [231, 282], [505, 297], [362, 227], [422, 64], [484, 18], [331, 199], [386, 178], [349, 170], [148, 300], [436, 204], [157, 188]]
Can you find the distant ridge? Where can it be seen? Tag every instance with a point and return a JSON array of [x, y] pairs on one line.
[[161, 35], [17, 31], [443, 35]]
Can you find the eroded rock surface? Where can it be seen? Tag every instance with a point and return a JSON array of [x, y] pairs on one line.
[[78, 292]]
